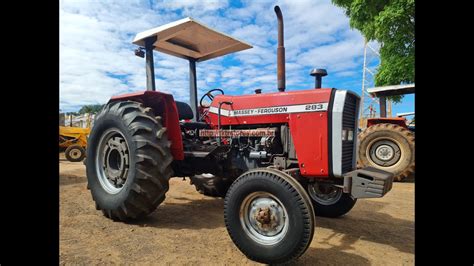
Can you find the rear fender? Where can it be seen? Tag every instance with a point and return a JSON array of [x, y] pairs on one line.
[[163, 105], [401, 121]]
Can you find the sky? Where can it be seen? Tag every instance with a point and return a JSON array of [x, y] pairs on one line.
[[97, 59]]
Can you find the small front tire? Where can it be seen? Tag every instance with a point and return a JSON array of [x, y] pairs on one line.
[[75, 153], [269, 216], [330, 201], [211, 185]]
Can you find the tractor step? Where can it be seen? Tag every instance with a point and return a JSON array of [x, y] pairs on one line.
[[368, 182]]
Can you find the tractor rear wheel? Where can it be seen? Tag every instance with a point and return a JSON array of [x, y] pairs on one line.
[[269, 216], [388, 147], [329, 200], [129, 157], [75, 153]]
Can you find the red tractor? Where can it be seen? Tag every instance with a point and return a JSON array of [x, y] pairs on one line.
[[278, 158], [388, 143]]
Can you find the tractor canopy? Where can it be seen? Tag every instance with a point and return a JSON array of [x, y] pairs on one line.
[[392, 90], [187, 38]]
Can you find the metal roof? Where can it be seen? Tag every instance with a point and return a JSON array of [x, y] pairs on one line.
[[392, 90], [187, 38], [405, 114]]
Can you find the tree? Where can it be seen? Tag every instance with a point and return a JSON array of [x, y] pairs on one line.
[[90, 109], [392, 24]]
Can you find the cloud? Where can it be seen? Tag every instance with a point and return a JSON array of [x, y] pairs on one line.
[[97, 60], [336, 56], [194, 5], [258, 34]]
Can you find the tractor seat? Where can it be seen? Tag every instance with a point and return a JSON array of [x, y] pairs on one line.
[[184, 111]]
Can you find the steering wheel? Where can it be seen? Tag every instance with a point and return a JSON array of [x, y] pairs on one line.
[[210, 96]]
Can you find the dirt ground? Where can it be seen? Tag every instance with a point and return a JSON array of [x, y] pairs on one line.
[[188, 228]]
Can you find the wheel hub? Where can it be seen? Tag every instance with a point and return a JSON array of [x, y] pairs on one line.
[[75, 153], [384, 152], [324, 194], [263, 215], [264, 218], [113, 161]]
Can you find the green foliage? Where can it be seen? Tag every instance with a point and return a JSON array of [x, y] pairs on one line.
[[91, 109], [392, 24]]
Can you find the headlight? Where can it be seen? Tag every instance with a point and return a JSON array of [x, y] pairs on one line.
[[344, 134], [350, 135], [347, 135]]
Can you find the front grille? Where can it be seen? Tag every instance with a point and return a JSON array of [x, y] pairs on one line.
[[349, 116]]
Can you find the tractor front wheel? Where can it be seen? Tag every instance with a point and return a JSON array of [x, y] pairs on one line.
[[128, 161], [211, 185], [269, 216], [75, 153], [329, 200]]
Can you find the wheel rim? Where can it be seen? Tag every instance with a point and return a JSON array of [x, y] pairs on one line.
[[75, 153], [112, 161], [264, 218], [324, 194], [384, 152]]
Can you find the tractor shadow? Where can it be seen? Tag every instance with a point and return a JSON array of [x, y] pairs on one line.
[[207, 213], [335, 255], [71, 179], [363, 223], [369, 224]]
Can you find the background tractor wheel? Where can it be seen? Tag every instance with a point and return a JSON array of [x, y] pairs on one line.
[[269, 216], [129, 157], [330, 201], [388, 147], [75, 153]]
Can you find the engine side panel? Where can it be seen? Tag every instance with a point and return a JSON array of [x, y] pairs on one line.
[[310, 135], [306, 113]]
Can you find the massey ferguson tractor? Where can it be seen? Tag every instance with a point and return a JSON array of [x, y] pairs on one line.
[[278, 158]]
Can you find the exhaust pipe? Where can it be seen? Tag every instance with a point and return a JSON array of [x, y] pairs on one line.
[[280, 52]]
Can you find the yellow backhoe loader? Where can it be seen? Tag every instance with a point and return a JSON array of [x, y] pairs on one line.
[[73, 140]]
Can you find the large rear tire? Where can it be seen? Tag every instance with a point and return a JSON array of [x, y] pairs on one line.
[[388, 147], [75, 153], [129, 157], [269, 216]]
